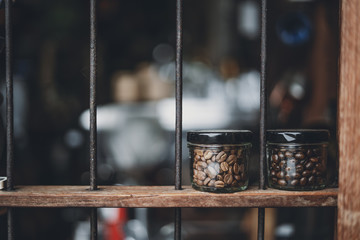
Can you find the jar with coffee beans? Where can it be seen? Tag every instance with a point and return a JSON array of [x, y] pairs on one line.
[[297, 159], [219, 160]]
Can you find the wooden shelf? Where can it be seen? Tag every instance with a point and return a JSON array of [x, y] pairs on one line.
[[161, 196]]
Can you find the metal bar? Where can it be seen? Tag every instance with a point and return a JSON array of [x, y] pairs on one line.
[[93, 129], [9, 96], [93, 223], [263, 111], [178, 124], [9, 112], [261, 223], [93, 73]]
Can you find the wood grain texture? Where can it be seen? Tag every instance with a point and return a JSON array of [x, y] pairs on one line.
[[349, 122], [161, 196]]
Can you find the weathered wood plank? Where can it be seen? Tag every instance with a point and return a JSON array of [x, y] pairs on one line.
[[349, 122], [161, 196]]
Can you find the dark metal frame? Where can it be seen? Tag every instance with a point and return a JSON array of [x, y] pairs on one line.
[[93, 130]]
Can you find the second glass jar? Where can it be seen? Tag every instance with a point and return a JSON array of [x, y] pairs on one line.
[[219, 160]]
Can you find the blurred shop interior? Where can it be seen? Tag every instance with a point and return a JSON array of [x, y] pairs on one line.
[[136, 106]]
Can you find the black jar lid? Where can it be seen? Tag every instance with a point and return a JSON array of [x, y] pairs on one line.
[[219, 136], [297, 135]]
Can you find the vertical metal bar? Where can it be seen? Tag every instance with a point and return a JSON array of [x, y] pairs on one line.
[[9, 111], [178, 124], [93, 129], [9, 96], [263, 107], [93, 224], [93, 73]]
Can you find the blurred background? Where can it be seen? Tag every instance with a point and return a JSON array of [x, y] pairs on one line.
[[136, 49]]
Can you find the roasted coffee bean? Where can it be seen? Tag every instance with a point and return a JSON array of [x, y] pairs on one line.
[[202, 164], [206, 181], [228, 178], [199, 168], [224, 166], [306, 173], [274, 180], [281, 155], [303, 181], [309, 165], [199, 152], [282, 182], [299, 168], [309, 153], [314, 159], [203, 159], [231, 159], [272, 173], [221, 156], [288, 169], [237, 177], [280, 175], [219, 178], [288, 154], [197, 157], [211, 183], [208, 154], [219, 184], [311, 180], [200, 182], [201, 175], [236, 168], [273, 165], [230, 170], [282, 164], [213, 159], [208, 162], [318, 166], [287, 177], [299, 155], [294, 182], [275, 158], [282, 150]]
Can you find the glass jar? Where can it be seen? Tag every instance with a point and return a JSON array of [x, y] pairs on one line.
[[297, 158], [219, 160]]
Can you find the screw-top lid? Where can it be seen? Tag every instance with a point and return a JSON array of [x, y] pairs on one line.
[[297, 135], [219, 136]]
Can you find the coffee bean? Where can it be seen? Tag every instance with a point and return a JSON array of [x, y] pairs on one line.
[[287, 177], [299, 155], [282, 164], [288, 154], [309, 165], [224, 166], [231, 159], [273, 165], [206, 181], [299, 168], [234, 183], [202, 164], [237, 177], [281, 155], [197, 157], [239, 153], [294, 182], [280, 175], [314, 159], [275, 158], [199, 168], [219, 178], [272, 173], [208, 154], [303, 181], [306, 173], [236, 168], [199, 152], [282, 182], [211, 183], [219, 184], [311, 180], [213, 159], [309, 153], [200, 182], [208, 162], [228, 178], [201, 175], [221, 156]]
